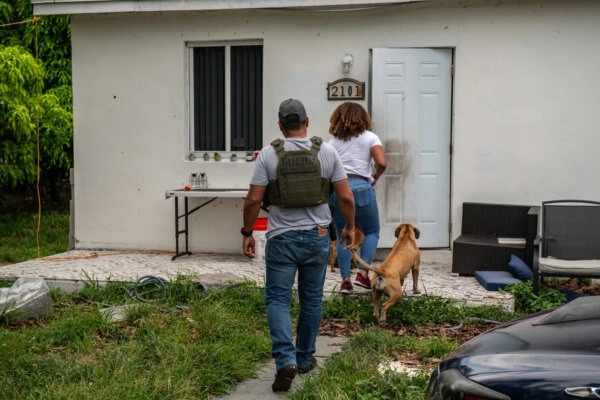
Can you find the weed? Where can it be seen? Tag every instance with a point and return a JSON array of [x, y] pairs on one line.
[[411, 311], [197, 350], [4, 283], [527, 302], [433, 347], [356, 374]]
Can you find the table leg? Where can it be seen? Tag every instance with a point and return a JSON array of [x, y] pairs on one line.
[[185, 202], [180, 231], [186, 213]]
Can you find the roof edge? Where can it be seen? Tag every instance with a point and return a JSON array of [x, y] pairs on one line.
[[72, 7]]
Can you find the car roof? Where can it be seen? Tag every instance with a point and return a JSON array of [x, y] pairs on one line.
[[582, 308]]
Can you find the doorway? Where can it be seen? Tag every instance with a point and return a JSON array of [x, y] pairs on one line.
[[411, 106]]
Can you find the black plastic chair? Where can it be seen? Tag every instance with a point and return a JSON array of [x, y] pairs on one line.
[[570, 237]]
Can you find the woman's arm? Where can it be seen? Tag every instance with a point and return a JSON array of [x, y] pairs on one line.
[[380, 162]]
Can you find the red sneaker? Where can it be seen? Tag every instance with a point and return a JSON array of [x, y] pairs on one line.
[[346, 287], [363, 281]]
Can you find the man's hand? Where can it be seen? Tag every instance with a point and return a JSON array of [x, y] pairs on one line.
[[249, 246], [347, 237], [346, 203]]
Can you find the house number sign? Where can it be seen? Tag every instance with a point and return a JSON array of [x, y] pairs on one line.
[[346, 89]]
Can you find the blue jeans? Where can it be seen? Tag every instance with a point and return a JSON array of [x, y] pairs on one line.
[[366, 216], [305, 252]]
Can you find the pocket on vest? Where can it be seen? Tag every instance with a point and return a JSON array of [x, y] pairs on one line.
[[301, 189]]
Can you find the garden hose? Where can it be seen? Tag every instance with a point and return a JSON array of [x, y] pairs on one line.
[[150, 288]]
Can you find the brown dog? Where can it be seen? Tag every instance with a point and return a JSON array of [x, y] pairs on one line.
[[403, 258], [359, 236]]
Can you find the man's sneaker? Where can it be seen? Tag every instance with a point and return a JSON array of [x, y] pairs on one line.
[[284, 378], [363, 281], [346, 287], [310, 367]]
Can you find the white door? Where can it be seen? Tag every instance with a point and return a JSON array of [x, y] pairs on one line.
[[411, 112]]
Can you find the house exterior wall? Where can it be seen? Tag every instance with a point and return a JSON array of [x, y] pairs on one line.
[[525, 118]]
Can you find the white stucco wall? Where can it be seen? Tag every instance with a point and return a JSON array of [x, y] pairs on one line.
[[525, 120]]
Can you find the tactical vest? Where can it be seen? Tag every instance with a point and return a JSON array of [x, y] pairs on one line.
[[299, 182]]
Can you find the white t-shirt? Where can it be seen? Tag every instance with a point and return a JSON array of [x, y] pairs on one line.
[[356, 153], [282, 219]]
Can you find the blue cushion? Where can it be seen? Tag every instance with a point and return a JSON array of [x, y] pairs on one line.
[[495, 280], [519, 269]]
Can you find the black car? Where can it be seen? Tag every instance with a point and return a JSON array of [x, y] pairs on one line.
[[554, 354]]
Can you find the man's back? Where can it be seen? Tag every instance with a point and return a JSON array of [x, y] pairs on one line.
[[282, 219]]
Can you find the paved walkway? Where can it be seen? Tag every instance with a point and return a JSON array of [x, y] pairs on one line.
[[260, 387], [70, 270]]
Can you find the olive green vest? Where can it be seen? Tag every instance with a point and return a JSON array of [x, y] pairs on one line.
[[299, 182]]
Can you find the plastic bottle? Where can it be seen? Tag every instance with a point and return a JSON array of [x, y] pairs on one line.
[[194, 180]]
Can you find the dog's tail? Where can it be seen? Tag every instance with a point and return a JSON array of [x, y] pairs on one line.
[[364, 263]]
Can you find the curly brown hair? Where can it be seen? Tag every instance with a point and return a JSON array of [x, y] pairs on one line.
[[348, 120]]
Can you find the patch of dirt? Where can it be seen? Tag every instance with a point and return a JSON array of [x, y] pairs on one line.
[[460, 333], [576, 285]]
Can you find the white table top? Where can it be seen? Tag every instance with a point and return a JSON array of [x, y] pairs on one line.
[[206, 193]]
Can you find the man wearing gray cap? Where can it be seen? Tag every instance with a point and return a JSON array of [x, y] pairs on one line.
[[297, 234]]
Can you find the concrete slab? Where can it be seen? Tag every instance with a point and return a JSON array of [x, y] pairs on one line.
[[72, 269], [260, 387]]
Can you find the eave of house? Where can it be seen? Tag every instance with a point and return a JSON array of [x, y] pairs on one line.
[[71, 7]]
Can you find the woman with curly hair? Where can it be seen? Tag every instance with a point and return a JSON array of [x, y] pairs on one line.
[[362, 154]]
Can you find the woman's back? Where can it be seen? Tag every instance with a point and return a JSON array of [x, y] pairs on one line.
[[356, 152]]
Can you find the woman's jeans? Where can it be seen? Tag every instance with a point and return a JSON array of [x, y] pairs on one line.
[[305, 252], [366, 216]]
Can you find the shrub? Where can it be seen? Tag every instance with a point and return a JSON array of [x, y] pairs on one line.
[[527, 302]]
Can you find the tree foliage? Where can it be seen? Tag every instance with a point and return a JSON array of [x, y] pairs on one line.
[[35, 94]]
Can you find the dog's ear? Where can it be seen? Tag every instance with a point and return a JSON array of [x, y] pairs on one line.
[[417, 233], [397, 231]]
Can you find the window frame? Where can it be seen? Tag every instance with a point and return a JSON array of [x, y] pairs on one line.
[[193, 154]]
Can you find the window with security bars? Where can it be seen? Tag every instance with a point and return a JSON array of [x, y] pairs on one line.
[[226, 98]]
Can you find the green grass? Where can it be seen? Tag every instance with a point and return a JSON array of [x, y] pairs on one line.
[[191, 345], [411, 311], [354, 373], [528, 302], [18, 232], [194, 344]]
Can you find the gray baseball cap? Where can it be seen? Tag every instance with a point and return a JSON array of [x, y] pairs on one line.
[[291, 111]]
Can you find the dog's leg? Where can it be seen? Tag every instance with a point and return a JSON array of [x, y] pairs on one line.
[[353, 263], [393, 300], [376, 300], [332, 255], [394, 292], [415, 277]]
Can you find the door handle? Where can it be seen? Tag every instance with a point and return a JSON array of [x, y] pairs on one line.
[[584, 392]]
